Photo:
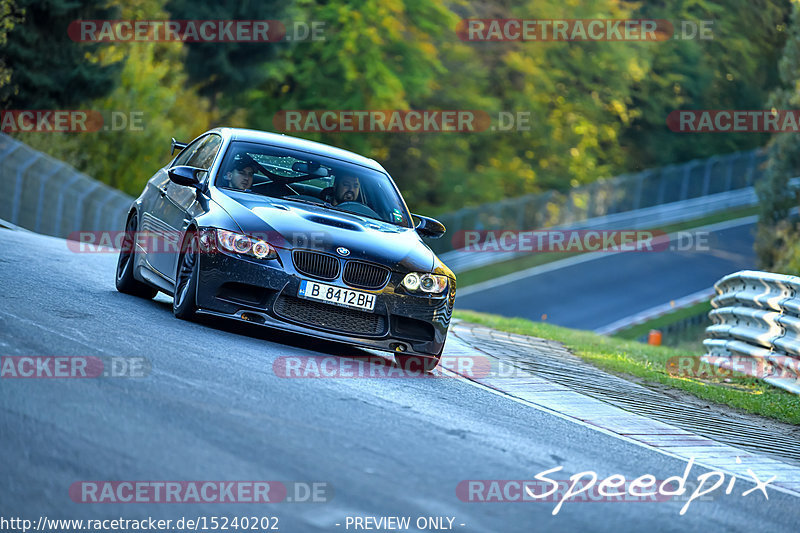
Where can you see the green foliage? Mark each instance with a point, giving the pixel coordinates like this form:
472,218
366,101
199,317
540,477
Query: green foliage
785,251
151,86
777,242
596,109
223,72
376,55
10,15
51,71
735,69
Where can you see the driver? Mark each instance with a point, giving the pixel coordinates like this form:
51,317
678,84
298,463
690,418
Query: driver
345,189
241,175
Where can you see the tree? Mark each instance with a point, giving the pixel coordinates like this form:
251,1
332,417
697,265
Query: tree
151,91
736,68
375,56
223,72
777,241
10,15
49,70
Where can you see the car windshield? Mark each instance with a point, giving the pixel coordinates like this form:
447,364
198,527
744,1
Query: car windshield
313,179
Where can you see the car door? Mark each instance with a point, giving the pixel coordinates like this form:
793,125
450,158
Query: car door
182,204
158,213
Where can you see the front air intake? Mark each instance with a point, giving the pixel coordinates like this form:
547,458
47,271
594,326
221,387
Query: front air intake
316,265
365,275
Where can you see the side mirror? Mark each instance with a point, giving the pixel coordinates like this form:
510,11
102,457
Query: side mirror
179,145
186,176
429,227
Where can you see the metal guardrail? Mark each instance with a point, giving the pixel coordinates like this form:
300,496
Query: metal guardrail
45,195
48,196
645,218
655,312
756,327
699,178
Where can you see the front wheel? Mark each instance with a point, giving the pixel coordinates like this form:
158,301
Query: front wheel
184,303
125,281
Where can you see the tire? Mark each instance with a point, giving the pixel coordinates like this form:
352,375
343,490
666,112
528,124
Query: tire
184,303
125,281
417,363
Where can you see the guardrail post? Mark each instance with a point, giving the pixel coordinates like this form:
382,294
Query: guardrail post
707,175
662,185
18,185
751,174
729,174
687,172
40,200
522,204
79,206
60,206
637,199
99,209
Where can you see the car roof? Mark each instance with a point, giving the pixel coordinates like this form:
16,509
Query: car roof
287,141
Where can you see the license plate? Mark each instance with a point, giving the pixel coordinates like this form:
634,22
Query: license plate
336,295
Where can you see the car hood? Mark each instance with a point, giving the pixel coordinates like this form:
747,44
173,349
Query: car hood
293,225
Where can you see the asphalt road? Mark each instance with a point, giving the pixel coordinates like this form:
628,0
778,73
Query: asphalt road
592,294
212,409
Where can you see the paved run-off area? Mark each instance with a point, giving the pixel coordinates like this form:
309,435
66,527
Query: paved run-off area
212,407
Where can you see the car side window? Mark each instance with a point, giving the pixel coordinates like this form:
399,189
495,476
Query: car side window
203,156
188,152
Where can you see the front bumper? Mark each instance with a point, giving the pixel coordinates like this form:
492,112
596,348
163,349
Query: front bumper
265,292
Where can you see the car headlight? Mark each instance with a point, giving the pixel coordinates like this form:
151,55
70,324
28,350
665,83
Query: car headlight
428,283
242,244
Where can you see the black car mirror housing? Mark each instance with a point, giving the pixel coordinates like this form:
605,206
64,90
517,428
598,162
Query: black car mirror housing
185,175
429,227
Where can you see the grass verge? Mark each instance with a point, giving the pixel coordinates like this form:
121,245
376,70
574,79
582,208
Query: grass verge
477,275
630,358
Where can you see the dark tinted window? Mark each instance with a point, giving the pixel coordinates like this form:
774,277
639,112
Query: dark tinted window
311,178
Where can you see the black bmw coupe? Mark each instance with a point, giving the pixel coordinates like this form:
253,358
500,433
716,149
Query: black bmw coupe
291,234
